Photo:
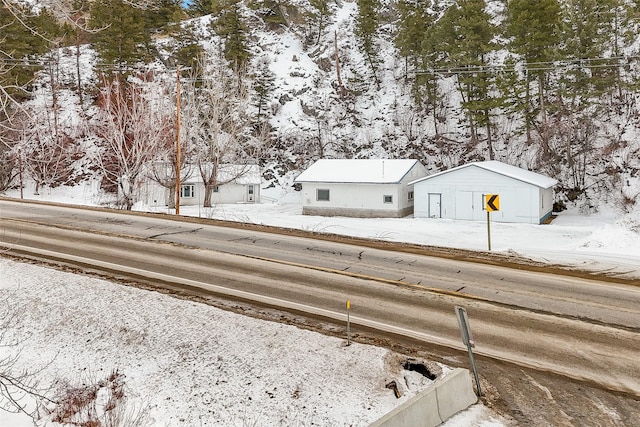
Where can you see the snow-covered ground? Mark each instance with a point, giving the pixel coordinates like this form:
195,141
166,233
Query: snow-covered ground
190,364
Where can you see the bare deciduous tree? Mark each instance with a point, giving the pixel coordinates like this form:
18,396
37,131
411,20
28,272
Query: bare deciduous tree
133,131
48,144
215,120
20,389
8,158
92,402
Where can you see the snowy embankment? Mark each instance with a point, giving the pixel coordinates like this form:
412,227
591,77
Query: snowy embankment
189,364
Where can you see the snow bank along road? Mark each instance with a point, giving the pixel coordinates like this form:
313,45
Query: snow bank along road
581,328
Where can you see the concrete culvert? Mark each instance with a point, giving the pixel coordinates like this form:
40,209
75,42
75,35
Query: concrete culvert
419,368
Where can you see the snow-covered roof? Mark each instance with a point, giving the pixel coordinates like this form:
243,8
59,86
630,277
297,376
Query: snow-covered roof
239,174
495,166
370,171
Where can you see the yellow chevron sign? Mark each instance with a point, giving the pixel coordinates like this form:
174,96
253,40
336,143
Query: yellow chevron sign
492,202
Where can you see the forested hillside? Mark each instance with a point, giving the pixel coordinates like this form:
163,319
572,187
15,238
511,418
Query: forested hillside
89,89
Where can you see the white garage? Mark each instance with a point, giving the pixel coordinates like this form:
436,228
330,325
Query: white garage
458,193
362,188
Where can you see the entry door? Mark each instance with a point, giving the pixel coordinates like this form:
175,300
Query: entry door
435,210
250,194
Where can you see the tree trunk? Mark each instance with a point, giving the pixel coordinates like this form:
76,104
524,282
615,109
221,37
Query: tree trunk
489,136
543,114
79,88
208,191
172,196
433,100
527,116
335,44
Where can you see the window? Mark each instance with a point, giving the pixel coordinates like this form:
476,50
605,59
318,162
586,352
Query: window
410,196
322,195
187,191
216,189
388,198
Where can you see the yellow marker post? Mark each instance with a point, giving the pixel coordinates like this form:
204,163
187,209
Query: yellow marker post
489,229
491,204
348,323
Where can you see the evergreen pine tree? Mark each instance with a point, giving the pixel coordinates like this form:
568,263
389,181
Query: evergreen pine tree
414,20
588,33
188,51
465,36
417,30
623,36
534,29
121,36
202,7
366,29
320,16
230,27
263,85
163,15
20,44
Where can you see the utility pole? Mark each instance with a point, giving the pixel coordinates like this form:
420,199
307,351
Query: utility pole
178,142
20,171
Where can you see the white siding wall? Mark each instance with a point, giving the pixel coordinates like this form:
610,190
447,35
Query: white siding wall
360,199
546,205
417,171
352,196
153,194
462,192
234,193
198,195
156,195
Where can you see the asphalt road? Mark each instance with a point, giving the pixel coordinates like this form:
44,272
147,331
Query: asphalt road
572,327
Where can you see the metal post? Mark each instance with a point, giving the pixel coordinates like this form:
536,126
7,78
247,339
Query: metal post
348,323
467,340
489,229
20,170
474,369
178,141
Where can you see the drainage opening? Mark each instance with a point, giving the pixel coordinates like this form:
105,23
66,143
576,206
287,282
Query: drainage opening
419,368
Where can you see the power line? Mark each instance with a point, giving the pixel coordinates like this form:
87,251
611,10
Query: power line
561,65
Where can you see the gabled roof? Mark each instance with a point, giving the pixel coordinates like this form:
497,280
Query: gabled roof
500,168
238,174
369,171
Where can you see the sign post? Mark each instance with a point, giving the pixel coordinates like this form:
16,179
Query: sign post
467,339
492,203
348,323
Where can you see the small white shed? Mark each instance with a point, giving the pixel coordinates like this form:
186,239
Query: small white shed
242,185
458,193
363,188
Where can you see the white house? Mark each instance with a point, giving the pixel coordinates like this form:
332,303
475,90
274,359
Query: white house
242,185
458,193
364,188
